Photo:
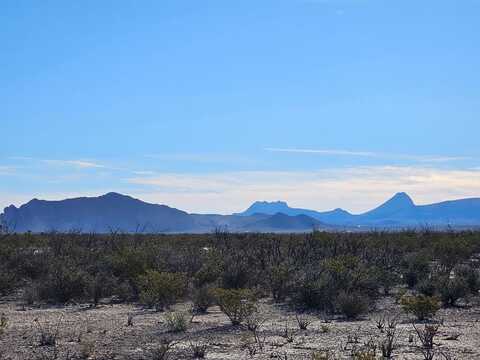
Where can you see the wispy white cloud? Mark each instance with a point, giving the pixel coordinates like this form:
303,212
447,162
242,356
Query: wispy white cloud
81,164
76,163
356,189
340,152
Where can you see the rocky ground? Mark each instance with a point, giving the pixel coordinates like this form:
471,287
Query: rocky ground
80,331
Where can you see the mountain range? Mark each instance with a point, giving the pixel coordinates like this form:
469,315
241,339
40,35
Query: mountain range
117,212
399,211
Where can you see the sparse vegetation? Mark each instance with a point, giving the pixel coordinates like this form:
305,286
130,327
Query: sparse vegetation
338,276
48,333
427,336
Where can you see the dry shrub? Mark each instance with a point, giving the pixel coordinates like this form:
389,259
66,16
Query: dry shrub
161,289
237,304
423,307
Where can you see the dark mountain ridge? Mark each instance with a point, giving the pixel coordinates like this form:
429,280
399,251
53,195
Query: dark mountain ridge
117,212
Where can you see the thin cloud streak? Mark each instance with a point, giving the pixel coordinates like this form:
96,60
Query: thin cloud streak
75,163
336,152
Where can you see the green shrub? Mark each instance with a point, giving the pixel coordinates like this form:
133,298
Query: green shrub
338,275
387,279
427,287
3,324
161,289
352,305
202,299
470,276
237,304
423,307
278,279
64,282
176,322
451,290
209,272
129,263
125,291
30,294
236,272
415,269
99,286
8,281
451,250
314,294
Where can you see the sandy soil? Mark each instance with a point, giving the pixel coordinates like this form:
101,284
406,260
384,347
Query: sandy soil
102,333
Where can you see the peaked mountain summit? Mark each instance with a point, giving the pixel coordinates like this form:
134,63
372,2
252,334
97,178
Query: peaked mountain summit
400,206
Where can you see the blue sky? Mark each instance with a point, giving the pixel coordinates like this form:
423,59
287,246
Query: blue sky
209,105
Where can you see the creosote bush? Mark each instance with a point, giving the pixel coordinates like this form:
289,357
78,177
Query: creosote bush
331,286
161,289
451,290
64,282
352,305
423,307
202,299
8,281
470,276
237,304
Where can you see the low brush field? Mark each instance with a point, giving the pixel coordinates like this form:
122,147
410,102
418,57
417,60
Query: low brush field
378,295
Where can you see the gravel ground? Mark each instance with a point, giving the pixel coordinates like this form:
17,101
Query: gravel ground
102,333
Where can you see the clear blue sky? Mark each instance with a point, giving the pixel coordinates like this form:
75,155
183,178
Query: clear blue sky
209,105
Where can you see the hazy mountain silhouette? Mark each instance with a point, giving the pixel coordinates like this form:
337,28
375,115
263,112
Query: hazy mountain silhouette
109,212
337,216
116,212
399,211
283,222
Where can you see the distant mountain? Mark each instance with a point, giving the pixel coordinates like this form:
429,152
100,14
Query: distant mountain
283,222
399,211
457,212
110,212
116,212
337,216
